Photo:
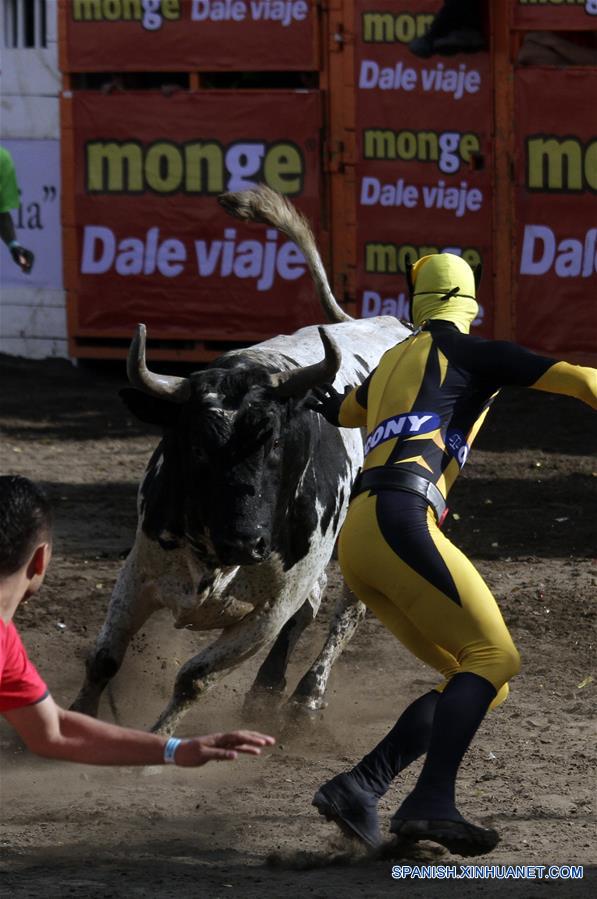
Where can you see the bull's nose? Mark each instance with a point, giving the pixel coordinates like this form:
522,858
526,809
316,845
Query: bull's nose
261,548
243,551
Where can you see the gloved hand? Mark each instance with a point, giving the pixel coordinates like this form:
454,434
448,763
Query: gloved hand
23,258
326,400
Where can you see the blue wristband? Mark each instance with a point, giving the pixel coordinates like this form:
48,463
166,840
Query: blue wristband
170,750
14,244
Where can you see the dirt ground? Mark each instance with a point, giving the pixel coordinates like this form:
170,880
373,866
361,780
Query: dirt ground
524,510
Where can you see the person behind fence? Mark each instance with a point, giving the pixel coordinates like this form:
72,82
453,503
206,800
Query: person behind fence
25,701
422,408
10,199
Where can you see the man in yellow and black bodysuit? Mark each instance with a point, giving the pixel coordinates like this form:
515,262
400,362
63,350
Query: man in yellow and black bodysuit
422,408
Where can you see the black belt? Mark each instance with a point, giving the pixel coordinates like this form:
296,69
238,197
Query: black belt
385,478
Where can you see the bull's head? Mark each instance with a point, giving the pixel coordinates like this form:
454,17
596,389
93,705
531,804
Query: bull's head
237,442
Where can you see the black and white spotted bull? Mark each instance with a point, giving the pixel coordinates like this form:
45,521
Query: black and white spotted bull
243,499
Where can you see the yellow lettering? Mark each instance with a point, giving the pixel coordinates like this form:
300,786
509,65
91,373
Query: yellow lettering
116,10
591,165
469,143
386,28
283,169
427,146
390,259
554,163
171,9
423,146
473,257
381,257
204,164
163,168
114,168
112,11
379,144
87,10
131,10
198,167
406,145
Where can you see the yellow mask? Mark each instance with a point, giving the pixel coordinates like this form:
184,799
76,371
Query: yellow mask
434,278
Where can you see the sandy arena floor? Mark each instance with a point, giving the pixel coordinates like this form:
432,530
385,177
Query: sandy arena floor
525,511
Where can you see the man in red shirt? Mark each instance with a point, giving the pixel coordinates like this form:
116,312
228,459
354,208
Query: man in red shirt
25,701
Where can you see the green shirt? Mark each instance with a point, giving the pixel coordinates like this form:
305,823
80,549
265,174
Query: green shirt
9,189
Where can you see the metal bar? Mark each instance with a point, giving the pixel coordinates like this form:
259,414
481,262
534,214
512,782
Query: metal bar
504,247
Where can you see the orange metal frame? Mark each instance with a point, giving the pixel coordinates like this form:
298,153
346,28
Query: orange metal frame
504,230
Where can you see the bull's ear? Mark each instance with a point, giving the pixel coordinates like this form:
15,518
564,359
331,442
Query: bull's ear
150,409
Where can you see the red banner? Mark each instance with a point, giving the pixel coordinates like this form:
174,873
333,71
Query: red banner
556,15
189,35
424,156
556,184
153,243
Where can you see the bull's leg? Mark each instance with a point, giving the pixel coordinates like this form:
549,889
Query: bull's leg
130,607
271,677
347,616
235,645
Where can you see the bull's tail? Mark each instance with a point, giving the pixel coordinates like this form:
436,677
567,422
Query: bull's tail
271,208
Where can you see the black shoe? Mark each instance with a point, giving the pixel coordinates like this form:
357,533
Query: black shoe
353,809
421,46
458,837
465,40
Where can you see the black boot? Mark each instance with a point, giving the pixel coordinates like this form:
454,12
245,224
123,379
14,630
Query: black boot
430,812
350,799
353,809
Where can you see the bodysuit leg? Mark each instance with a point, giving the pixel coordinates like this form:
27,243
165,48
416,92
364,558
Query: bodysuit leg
433,599
424,589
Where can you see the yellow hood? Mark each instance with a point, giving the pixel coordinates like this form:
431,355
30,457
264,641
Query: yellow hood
433,279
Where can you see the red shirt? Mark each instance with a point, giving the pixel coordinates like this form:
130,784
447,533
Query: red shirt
20,684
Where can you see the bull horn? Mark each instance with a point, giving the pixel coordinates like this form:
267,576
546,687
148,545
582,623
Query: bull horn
166,387
300,380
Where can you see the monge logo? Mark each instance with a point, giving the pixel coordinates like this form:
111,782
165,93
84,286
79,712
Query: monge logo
402,426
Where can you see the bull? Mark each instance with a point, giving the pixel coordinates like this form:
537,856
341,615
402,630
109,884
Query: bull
242,501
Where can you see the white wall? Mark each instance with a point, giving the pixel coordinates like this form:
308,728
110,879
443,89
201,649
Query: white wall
32,307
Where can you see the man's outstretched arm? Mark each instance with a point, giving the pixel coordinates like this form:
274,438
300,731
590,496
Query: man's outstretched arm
571,380
53,732
503,363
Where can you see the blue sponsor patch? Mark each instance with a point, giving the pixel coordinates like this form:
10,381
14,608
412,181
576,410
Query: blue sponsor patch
404,425
457,446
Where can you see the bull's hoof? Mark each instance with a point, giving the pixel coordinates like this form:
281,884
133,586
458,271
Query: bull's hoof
307,704
310,690
304,714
